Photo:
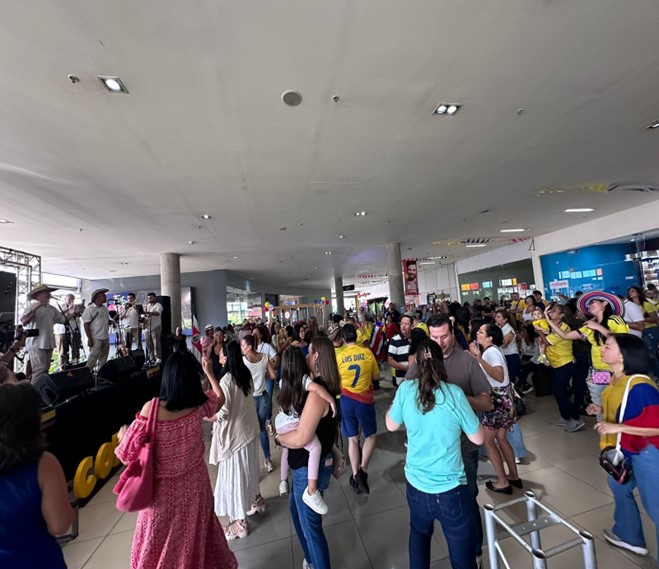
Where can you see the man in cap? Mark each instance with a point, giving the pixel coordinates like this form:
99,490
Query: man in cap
41,316
97,327
207,340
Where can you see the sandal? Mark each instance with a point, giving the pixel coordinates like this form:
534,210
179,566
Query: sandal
236,530
257,507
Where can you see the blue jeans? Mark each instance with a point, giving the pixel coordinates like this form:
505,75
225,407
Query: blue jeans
262,403
470,461
560,381
453,510
626,516
651,339
270,388
513,362
517,441
308,524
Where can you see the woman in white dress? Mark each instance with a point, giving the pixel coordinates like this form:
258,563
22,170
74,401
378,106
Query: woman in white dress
235,445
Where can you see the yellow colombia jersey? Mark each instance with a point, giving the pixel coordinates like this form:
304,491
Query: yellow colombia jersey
616,325
559,352
357,369
649,308
542,324
423,326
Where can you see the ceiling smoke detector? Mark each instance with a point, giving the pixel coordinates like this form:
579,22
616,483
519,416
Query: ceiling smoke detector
291,98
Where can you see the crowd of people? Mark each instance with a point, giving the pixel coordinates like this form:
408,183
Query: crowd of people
458,373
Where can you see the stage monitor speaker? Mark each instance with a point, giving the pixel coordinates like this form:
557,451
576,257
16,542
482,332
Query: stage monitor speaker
166,316
64,384
117,370
138,357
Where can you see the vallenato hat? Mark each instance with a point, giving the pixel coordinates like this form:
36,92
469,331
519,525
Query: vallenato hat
39,288
613,300
98,291
209,327
333,331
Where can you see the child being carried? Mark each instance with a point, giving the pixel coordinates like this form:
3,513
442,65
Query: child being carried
287,422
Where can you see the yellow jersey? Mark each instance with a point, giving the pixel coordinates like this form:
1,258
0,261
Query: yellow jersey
559,351
357,369
543,325
423,326
617,326
649,308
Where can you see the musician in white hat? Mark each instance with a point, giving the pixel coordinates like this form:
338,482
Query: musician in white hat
97,327
41,316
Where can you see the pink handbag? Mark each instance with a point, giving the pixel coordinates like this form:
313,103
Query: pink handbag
134,489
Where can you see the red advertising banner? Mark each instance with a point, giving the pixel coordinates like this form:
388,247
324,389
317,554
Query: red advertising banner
410,277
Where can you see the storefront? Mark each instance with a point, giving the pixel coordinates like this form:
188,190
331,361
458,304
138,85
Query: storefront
497,282
243,304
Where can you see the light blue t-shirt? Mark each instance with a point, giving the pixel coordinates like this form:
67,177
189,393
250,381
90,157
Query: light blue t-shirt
434,462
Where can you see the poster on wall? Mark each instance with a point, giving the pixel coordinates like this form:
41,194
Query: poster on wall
410,277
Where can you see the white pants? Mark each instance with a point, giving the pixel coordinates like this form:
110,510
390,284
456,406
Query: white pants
98,353
40,361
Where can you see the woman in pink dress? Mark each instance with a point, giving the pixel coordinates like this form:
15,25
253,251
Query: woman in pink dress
179,530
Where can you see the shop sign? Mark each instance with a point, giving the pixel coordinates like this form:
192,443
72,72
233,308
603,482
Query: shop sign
558,285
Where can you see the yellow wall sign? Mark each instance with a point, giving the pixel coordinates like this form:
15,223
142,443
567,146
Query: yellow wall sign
92,469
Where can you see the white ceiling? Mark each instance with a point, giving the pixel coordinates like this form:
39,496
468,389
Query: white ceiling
91,180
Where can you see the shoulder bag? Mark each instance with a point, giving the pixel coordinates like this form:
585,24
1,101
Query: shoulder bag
134,489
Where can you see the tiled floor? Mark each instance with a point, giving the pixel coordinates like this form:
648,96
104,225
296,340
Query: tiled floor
371,531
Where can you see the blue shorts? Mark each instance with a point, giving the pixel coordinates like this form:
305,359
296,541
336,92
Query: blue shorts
355,414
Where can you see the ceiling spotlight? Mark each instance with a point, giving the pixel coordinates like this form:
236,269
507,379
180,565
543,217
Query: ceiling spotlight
205,216
112,84
518,230
579,210
191,242
4,221
360,213
473,245
328,252
235,257
341,236
291,98
447,109
654,125
427,263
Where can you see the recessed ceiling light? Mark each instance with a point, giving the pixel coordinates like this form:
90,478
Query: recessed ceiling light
4,221
655,124
427,263
518,230
316,268
205,216
191,242
291,98
360,213
328,252
447,109
235,257
476,245
437,257
124,263
579,210
282,229
341,236
112,84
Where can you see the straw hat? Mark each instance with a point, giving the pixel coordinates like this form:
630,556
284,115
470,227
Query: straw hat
39,288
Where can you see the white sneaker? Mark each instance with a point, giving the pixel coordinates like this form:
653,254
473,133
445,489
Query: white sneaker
283,488
268,465
315,501
613,539
306,565
572,426
560,422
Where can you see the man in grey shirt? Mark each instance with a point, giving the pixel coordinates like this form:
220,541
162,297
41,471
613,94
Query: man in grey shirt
463,371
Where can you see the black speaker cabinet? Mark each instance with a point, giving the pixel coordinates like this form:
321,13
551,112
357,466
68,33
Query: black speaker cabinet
166,316
117,370
138,357
64,384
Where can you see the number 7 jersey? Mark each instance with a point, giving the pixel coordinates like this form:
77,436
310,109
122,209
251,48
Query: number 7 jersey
357,369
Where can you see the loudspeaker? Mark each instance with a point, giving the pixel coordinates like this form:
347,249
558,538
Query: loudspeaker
117,370
166,316
138,357
64,384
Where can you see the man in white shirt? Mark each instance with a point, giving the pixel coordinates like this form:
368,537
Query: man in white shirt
41,316
153,310
97,327
634,317
130,320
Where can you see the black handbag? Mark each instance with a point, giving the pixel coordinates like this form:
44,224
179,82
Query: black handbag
520,406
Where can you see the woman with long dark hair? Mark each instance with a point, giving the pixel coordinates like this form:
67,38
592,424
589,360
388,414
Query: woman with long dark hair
35,503
506,322
315,420
637,425
604,310
235,446
435,414
262,340
650,332
179,529
486,351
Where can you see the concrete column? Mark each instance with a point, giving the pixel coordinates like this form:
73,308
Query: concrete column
395,276
338,287
537,275
170,284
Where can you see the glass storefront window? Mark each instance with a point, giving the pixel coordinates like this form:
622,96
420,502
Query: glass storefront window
242,304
